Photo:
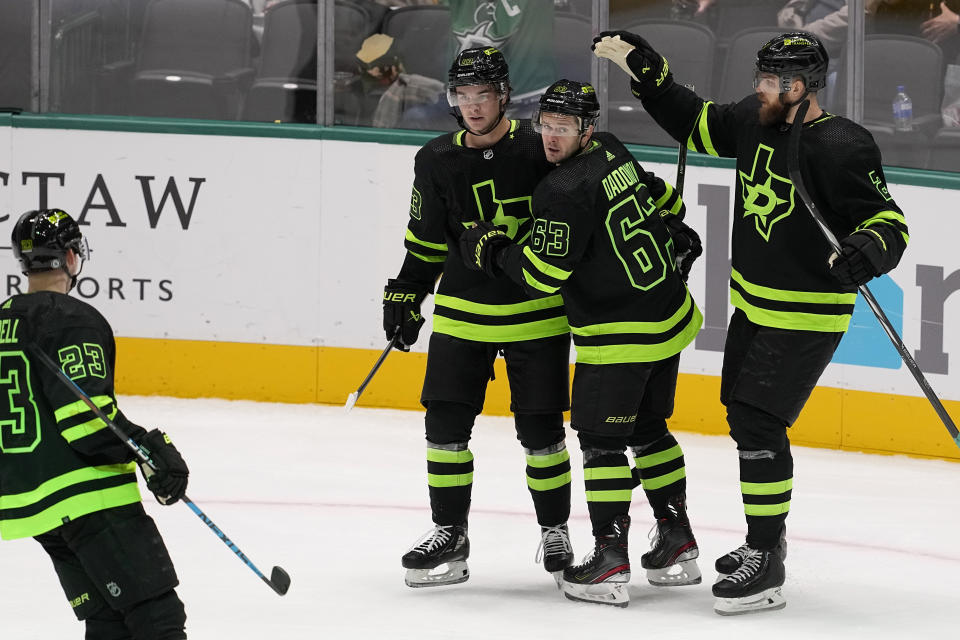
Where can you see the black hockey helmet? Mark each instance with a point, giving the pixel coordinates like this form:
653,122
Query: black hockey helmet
41,238
571,98
484,65
795,54
478,66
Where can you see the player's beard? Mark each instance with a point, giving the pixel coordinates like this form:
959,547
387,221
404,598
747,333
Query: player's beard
772,113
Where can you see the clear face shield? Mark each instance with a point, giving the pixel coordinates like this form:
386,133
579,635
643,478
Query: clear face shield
467,95
559,125
767,82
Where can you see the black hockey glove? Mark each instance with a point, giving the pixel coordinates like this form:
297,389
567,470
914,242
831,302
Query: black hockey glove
648,70
686,243
401,311
860,259
480,244
168,481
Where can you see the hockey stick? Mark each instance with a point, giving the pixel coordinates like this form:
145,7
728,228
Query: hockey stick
279,580
682,160
793,168
353,397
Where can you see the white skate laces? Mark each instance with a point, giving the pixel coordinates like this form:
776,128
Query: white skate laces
553,541
749,567
433,540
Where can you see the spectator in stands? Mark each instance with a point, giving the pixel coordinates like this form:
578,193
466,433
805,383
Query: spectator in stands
943,27
381,66
826,19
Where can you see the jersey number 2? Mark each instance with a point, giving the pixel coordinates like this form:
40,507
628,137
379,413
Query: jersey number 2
19,417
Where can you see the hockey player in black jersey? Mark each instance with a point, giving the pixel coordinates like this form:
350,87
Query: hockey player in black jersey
602,239
65,478
485,171
793,296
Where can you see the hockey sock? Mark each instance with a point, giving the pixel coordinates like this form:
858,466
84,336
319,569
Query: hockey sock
450,478
609,485
766,482
548,477
662,472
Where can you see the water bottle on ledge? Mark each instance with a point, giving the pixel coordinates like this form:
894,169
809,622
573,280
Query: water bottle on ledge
902,111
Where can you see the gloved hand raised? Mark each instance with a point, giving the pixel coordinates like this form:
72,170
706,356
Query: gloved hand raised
168,481
859,260
401,311
686,244
648,70
480,244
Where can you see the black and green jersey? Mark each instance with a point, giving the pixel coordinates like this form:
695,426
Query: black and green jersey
780,275
454,186
598,239
58,461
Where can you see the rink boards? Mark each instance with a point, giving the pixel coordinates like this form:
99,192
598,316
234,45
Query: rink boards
238,264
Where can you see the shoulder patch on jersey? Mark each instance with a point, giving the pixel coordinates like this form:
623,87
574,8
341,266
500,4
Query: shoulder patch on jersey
879,184
610,156
415,202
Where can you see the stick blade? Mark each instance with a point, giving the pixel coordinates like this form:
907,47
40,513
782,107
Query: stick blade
279,581
351,400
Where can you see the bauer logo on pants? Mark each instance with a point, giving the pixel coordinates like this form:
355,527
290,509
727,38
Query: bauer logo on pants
114,589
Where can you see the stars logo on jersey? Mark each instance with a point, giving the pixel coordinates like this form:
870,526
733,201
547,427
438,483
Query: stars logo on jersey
766,195
511,213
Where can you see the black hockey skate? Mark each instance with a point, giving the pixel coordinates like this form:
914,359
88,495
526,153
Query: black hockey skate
671,561
555,550
755,586
730,562
603,575
447,548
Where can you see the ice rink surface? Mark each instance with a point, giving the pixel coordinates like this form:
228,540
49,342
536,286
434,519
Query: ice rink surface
336,499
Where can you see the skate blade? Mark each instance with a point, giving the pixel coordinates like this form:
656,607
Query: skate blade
680,574
608,593
558,578
454,573
771,599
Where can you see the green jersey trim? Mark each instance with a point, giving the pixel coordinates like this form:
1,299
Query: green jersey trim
51,486
786,295
660,326
498,309
791,319
428,245
624,353
544,267
87,428
427,258
501,333
886,217
536,284
78,407
70,509
702,128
